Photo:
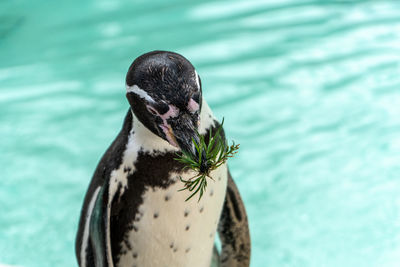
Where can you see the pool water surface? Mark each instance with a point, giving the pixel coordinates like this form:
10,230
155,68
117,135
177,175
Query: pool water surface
310,90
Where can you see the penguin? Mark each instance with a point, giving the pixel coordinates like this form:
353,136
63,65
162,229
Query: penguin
133,212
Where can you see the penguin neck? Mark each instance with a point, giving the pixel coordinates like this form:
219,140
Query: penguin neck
146,139
151,142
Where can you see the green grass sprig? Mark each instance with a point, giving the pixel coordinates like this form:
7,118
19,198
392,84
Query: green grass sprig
217,153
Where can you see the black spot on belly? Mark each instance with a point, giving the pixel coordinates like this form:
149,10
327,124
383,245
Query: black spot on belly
173,247
187,227
187,250
155,216
186,213
134,255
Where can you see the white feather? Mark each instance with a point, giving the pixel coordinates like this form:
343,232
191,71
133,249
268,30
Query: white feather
140,92
197,80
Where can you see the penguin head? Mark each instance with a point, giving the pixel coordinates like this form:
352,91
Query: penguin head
164,92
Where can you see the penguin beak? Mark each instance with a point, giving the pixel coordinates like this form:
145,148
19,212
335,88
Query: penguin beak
186,141
183,134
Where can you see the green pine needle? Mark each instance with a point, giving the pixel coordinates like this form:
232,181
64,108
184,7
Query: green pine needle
217,153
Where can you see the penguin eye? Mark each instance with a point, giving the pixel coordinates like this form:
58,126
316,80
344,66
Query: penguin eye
162,108
151,110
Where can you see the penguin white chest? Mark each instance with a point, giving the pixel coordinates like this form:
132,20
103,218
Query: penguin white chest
169,231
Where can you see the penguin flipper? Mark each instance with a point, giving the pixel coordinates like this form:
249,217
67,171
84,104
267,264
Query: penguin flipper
99,229
233,229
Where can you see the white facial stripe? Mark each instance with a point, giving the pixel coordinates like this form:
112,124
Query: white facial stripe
192,106
197,79
140,92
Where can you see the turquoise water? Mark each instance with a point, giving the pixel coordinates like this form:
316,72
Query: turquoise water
310,89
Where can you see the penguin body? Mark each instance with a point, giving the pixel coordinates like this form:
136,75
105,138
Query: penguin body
134,213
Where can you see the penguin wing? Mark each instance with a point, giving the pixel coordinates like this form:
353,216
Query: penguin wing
93,239
99,229
233,229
